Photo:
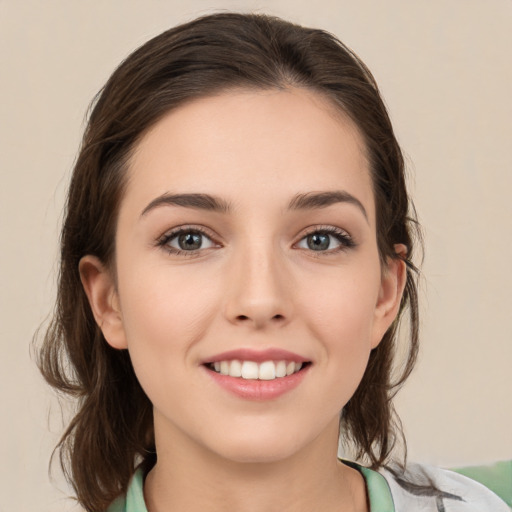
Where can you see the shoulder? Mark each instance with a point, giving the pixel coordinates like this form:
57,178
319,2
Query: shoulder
426,488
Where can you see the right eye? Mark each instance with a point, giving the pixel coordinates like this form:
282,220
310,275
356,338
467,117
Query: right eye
186,240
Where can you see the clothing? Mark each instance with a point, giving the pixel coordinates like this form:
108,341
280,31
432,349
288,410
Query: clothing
497,477
420,489
449,492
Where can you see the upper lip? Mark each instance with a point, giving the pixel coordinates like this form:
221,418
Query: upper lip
258,356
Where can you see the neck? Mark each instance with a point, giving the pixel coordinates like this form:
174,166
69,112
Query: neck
189,477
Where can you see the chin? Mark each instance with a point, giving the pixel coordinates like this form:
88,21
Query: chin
260,447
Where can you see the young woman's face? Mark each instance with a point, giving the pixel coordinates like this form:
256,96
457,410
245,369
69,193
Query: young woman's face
245,246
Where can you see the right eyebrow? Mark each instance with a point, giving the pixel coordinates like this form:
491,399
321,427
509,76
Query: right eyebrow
200,201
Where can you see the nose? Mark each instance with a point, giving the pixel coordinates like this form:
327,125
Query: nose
259,289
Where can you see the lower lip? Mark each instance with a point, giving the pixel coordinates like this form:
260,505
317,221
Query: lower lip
259,389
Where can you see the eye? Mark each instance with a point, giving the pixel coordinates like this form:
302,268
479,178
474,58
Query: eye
326,240
186,240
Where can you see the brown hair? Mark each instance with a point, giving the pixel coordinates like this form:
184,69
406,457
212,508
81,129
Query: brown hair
113,428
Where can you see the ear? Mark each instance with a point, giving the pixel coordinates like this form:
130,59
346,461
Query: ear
394,277
101,291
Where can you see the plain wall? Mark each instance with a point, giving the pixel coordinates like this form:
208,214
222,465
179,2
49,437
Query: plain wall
445,71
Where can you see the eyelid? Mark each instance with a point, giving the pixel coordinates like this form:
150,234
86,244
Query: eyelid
326,228
344,238
162,241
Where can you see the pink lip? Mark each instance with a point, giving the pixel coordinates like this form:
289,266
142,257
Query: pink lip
258,356
258,390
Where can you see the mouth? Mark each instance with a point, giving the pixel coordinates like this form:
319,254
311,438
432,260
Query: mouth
253,370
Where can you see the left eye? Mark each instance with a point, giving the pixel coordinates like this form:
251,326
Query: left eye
324,241
189,240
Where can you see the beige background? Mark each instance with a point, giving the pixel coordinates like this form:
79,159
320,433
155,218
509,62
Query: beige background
445,70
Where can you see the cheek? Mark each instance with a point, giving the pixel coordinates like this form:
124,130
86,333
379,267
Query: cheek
341,314
164,316
164,312
342,305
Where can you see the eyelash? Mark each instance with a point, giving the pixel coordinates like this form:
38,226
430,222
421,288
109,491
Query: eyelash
164,240
345,240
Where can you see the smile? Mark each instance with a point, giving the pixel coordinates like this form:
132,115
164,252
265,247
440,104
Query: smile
252,370
257,374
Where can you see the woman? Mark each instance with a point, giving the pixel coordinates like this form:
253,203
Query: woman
236,256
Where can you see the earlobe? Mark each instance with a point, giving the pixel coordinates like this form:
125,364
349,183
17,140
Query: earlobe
394,277
100,289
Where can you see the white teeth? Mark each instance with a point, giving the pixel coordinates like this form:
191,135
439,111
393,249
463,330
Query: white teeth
281,369
224,367
250,370
235,368
268,370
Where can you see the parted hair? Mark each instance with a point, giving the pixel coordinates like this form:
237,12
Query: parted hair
112,429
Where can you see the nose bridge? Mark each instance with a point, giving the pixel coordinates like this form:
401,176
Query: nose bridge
258,292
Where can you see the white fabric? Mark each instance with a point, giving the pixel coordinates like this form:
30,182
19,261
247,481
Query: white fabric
456,493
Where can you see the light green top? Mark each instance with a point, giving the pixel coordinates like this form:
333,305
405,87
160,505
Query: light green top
378,493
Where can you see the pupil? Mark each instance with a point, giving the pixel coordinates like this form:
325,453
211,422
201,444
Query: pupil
190,241
318,242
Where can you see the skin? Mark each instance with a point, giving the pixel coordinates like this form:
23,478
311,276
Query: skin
255,283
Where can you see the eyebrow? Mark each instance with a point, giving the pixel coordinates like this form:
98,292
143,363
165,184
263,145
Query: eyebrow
313,200
306,201
198,201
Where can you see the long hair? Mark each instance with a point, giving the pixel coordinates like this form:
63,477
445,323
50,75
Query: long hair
112,430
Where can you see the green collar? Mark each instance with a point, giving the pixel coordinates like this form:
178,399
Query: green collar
379,494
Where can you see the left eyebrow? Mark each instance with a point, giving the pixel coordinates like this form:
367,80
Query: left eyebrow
198,201
313,200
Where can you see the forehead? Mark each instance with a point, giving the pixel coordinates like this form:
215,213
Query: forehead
245,143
